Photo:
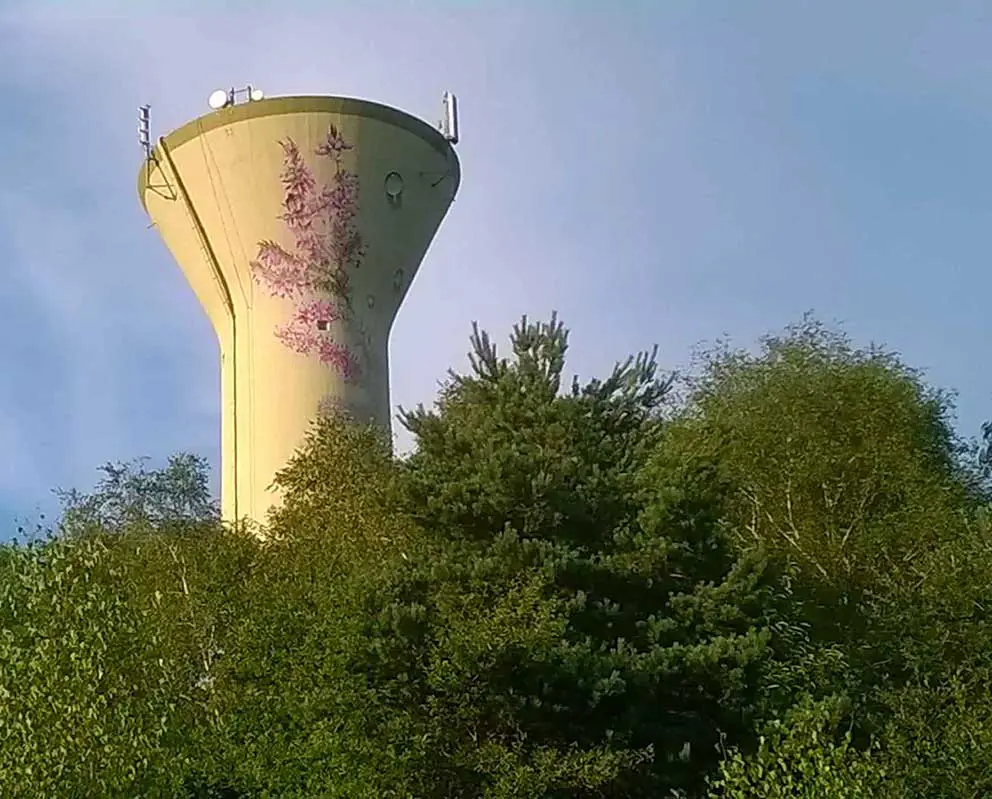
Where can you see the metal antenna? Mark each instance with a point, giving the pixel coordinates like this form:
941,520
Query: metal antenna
449,122
145,139
144,130
223,99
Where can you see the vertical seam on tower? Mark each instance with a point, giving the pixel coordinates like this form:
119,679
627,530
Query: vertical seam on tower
212,258
210,164
210,160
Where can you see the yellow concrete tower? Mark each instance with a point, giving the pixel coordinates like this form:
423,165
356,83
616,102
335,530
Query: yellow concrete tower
299,223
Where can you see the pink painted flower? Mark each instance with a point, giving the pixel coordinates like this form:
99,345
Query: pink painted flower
285,274
296,338
319,313
327,244
297,180
337,355
333,145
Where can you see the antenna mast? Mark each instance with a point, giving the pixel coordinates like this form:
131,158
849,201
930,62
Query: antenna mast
144,130
449,121
145,140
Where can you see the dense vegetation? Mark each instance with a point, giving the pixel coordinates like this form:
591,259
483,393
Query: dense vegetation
767,578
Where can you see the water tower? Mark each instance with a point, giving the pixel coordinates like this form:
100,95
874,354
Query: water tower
299,222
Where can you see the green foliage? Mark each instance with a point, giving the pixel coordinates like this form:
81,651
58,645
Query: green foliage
841,462
128,496
841,458
844,462
295,716
61,701
504,447
936,743
101,641
521,608
773,587
938,739
801,758
652,635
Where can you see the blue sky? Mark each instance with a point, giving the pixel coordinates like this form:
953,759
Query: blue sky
658,172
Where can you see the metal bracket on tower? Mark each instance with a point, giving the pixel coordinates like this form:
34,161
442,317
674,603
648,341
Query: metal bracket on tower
144,138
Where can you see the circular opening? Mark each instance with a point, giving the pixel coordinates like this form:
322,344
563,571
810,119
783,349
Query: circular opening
394,185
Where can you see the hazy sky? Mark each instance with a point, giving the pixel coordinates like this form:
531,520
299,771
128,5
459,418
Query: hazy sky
658,172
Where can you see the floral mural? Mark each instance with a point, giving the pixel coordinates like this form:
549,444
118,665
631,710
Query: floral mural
314,273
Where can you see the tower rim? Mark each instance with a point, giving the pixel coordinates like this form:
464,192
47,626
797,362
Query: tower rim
302,104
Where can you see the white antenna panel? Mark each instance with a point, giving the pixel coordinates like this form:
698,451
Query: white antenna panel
449,124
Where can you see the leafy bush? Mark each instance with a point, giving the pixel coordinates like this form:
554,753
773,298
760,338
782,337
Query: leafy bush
801,758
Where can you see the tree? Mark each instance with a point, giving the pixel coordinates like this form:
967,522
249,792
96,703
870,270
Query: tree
983,451
662,631
519,608
842,458
585,591
106,641
505,447
128,496
110,631
843,461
